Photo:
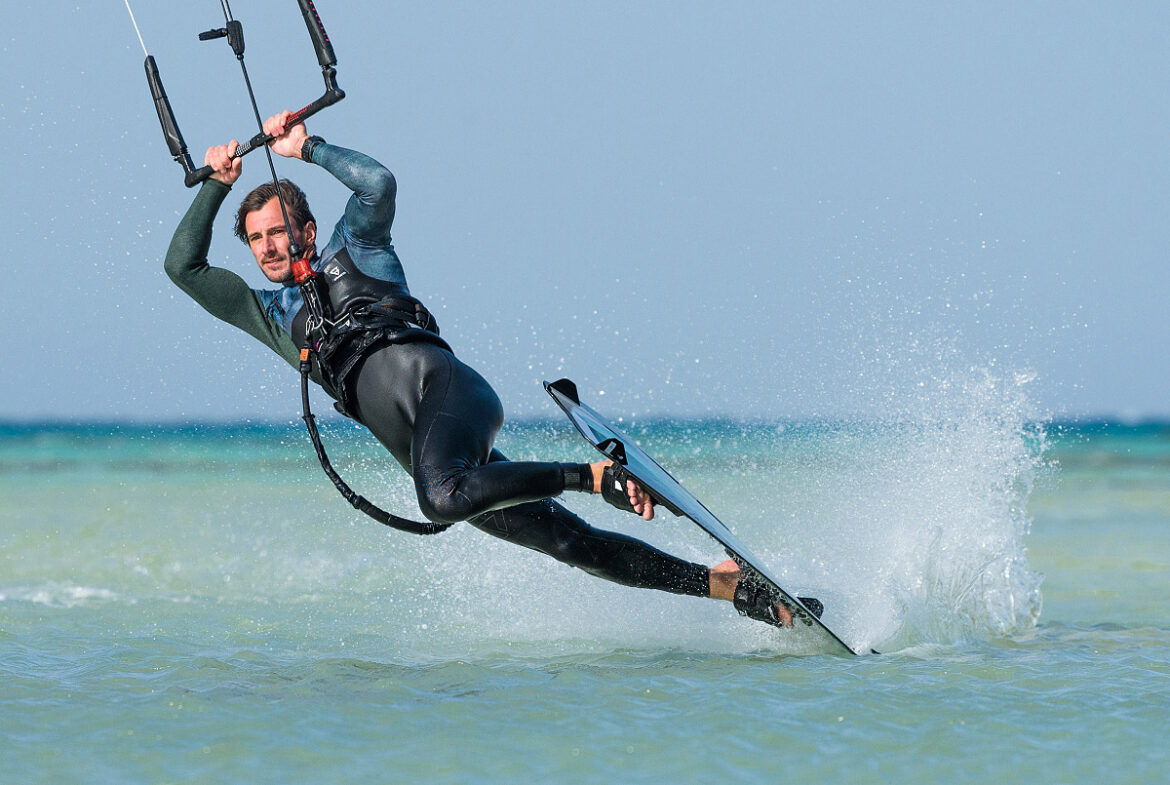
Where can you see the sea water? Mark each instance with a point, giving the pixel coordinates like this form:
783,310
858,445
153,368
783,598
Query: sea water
195,603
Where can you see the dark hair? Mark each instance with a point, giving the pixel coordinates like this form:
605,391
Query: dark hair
294,201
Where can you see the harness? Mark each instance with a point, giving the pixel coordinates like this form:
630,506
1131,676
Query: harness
358,315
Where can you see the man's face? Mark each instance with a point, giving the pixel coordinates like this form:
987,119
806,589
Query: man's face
269,241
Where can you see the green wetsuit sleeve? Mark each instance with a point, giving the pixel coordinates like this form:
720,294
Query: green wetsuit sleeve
221,292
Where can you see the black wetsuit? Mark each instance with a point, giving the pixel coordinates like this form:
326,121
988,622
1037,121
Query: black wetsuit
435,414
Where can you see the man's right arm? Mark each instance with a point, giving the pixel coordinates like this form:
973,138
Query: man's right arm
221,292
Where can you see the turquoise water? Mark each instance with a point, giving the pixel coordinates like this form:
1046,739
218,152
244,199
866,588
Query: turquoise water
195,604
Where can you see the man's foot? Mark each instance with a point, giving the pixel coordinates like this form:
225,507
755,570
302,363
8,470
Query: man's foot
619,488
755,599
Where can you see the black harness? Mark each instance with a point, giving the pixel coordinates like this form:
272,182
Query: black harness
361,314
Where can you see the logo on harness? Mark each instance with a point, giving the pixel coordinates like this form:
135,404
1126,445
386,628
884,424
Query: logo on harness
334,271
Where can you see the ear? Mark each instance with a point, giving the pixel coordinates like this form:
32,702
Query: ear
310,234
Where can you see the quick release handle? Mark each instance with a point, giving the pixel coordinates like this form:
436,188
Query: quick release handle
317,32
234,32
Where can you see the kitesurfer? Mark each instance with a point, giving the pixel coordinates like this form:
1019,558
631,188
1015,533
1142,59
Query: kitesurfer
383,360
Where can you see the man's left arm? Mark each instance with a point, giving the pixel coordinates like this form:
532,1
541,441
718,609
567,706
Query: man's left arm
369,213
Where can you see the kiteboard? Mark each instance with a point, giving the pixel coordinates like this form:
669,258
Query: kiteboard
670,494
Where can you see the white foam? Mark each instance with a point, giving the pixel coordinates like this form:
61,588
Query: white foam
57,595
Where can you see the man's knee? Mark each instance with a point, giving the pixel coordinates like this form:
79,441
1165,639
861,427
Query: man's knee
440,500
444,508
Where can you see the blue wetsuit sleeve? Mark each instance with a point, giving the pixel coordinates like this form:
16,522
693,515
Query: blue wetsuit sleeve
369,213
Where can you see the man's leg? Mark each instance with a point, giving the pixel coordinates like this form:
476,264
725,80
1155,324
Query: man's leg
550,528
438,417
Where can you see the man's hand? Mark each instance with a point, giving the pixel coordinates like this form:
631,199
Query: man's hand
286,140
227,169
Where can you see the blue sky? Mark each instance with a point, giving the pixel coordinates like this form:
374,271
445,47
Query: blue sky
750,209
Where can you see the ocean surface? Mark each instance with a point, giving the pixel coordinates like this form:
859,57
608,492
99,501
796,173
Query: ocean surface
195,604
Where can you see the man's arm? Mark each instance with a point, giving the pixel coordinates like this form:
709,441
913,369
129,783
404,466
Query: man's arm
369,213
221,292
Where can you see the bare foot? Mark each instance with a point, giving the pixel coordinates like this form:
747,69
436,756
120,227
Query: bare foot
724,578
640,500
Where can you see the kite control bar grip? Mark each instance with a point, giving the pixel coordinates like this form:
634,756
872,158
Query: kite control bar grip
331,96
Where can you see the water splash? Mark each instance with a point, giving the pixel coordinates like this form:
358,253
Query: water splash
917,519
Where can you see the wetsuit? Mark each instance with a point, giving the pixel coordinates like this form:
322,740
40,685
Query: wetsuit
435,414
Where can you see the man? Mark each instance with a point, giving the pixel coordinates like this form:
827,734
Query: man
388,368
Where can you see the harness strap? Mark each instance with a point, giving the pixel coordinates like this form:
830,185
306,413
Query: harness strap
355,500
